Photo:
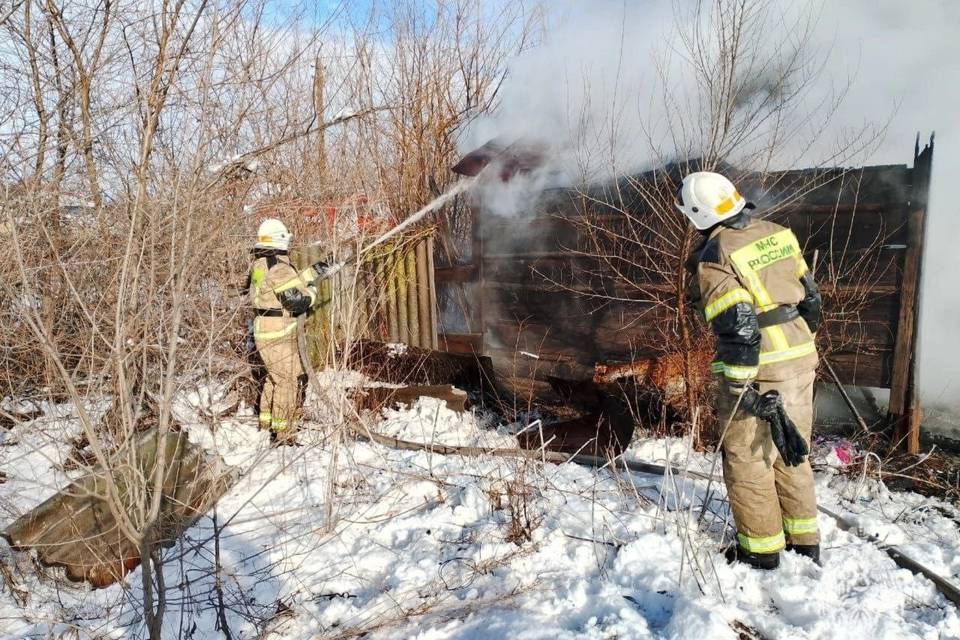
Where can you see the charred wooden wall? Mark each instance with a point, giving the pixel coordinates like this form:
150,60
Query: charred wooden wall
527,288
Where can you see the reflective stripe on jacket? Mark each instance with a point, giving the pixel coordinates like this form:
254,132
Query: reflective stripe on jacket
742,273
270,278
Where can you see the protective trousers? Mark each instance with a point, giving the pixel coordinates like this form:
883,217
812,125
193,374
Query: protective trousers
279,405
772,503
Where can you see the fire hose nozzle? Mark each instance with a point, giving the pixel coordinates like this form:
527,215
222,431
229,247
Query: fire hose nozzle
331,270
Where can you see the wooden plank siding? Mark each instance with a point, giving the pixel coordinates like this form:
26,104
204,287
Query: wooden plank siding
393,290
398,284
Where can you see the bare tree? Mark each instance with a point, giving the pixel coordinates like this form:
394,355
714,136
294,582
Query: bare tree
149,138
745,110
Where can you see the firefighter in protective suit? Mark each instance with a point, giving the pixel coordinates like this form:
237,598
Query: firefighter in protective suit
278,294
761,301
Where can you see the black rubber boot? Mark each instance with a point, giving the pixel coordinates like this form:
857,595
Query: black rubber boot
811,551
764,561
283,439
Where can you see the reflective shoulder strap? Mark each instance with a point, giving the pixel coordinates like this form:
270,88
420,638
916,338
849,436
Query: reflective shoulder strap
723,302
258,275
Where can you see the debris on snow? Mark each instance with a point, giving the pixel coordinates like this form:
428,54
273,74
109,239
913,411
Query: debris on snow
420,545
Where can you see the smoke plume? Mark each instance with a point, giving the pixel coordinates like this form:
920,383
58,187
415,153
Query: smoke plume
612,90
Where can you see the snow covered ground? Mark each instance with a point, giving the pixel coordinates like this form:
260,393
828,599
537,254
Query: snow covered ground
418,545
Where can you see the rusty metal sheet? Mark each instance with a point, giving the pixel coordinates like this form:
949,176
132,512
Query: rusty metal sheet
509,159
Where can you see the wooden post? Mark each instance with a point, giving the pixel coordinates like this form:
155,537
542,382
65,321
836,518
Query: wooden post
368,287
413,311
423,295
400,290
904,406
432,283
389,281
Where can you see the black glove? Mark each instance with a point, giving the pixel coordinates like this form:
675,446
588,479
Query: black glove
294,301
811,306
320,268
794,448
784,433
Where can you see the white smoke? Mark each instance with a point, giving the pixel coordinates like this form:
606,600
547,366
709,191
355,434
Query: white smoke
906,61
582,84
611,88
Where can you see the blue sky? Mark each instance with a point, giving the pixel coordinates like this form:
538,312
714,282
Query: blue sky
318,11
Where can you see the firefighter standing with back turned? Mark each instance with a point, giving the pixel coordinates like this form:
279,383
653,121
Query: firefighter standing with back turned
278,294
762,303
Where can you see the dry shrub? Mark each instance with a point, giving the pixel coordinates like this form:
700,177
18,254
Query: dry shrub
131,167
515,494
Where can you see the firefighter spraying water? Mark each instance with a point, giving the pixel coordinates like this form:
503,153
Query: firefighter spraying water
281,298
437,202
418,216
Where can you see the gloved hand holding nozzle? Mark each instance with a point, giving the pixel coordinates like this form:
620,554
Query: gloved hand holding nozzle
325,269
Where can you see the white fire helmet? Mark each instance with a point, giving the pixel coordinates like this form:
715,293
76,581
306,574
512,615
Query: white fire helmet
273,234
709,198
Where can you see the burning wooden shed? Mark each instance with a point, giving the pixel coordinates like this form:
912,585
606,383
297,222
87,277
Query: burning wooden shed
534,293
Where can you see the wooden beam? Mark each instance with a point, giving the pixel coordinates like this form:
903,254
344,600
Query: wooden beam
400,277
390,280
457,273
432,282
903,353
904,410
375,398
461,342
412,299
865,370
423,296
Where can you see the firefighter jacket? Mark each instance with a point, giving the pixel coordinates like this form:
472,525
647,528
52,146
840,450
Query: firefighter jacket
755,290
278,294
